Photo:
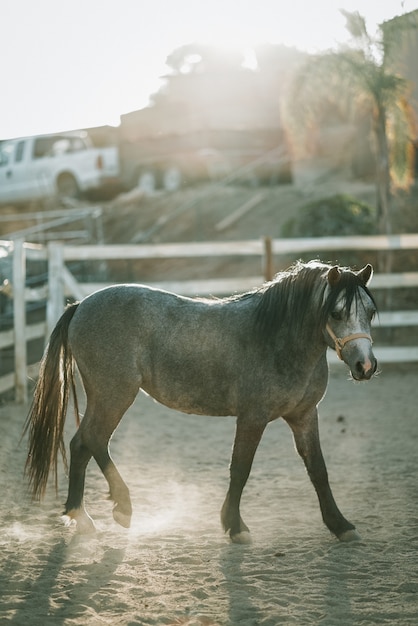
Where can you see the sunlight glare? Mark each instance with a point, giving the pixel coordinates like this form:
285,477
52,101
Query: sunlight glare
166,511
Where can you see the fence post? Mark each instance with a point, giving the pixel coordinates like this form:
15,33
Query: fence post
268,269
19,321
55,303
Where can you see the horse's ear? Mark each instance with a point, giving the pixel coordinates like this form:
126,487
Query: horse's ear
365,274
334,275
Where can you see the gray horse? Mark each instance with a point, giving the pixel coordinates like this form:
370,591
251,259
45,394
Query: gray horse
257,356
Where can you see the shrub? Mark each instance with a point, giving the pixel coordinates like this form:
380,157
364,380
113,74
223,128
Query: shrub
335,216
338,215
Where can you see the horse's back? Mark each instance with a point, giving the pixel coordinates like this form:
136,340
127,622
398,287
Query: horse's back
121,313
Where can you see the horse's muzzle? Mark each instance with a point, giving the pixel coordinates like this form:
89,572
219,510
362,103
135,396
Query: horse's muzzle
364,369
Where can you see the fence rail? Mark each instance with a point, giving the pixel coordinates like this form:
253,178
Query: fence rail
62,283
44,221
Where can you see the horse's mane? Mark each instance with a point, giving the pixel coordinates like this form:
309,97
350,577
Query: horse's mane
297,297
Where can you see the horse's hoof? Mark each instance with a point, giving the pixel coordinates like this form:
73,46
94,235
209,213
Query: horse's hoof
121,518
84,523
244,537
350,535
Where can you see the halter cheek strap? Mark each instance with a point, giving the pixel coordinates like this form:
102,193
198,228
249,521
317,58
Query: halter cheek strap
339,342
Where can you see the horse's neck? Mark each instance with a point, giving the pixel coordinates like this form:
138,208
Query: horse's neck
305,343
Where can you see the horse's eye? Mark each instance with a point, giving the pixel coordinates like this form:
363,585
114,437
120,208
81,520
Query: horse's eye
336,315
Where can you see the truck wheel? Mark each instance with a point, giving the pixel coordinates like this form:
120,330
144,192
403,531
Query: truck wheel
147,182
171,179
67,186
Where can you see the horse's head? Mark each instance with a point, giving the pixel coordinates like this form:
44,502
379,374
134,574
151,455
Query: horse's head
351,309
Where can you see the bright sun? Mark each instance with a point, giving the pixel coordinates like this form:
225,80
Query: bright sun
307,29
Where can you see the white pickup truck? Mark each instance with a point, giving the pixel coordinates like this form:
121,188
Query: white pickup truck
62,165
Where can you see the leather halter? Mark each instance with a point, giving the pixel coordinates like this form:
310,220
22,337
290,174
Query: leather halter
339,342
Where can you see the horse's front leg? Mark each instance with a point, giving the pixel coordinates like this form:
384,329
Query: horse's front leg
306,436
247,438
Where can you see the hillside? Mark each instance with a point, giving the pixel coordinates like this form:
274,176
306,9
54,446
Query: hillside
192,214
202,214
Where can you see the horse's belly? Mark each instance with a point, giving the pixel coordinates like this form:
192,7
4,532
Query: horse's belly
192,402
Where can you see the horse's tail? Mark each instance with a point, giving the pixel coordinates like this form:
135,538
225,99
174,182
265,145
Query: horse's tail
46,418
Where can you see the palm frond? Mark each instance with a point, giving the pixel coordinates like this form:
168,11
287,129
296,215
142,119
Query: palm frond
355,24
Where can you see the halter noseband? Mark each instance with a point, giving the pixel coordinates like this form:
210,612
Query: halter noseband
339,342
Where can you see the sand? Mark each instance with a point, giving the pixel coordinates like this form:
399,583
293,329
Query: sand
175,566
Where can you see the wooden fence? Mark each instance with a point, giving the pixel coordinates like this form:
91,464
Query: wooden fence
62,283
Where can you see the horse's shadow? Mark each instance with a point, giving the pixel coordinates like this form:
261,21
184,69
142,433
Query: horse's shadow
240,591
45,601
331,593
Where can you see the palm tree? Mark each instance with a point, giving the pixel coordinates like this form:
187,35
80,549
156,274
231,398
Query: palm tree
359,80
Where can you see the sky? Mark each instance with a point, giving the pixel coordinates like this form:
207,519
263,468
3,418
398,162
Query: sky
82,63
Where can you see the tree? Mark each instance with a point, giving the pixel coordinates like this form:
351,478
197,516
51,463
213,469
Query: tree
359,80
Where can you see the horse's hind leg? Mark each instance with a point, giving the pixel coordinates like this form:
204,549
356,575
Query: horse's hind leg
247,438
306,436
92,439
118,490
80,456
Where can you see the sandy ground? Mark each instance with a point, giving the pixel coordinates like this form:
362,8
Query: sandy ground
174,566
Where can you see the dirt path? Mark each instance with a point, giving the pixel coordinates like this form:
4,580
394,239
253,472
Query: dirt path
174,566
